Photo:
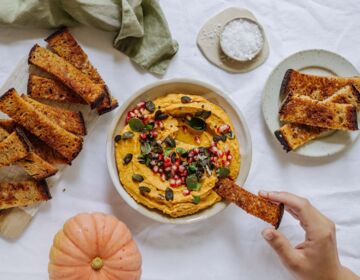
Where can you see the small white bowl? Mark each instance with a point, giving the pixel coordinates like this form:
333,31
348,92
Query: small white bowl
188,86
238,58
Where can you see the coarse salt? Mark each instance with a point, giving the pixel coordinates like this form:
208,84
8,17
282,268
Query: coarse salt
241,39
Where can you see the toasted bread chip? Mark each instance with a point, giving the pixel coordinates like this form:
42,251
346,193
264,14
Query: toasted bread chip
65,45
255,205
12,149
36,167
37,146
68,120
304,110
24,114
49,89
68,74
316,87
23,193
292,135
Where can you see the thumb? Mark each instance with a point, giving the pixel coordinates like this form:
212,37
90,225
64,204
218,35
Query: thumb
281,246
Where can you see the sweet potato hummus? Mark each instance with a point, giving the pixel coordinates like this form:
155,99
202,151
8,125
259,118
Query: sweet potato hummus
173,150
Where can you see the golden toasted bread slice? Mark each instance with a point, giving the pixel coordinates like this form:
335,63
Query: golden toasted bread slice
12,149
69,120
49,89
23,193
3,134
37,146
27,116
255,205
68,74
316,87
65,45
292,135
34,165
304,110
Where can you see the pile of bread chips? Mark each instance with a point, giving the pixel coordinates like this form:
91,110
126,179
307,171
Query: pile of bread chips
314,105
38,137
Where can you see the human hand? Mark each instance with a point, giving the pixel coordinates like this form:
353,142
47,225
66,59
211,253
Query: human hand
316,258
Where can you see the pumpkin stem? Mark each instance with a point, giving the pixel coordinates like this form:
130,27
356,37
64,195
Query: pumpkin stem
97,263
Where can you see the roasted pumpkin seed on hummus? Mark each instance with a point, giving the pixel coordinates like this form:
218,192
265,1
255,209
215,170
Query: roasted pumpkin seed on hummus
180,150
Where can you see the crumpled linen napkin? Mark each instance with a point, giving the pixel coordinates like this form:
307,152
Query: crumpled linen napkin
142,30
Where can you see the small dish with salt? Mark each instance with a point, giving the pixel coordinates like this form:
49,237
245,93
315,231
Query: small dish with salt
242,39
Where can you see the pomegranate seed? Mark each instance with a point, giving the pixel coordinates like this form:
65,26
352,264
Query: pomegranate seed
227,163
197,139
172,181
161,156
177,162
196,151
163,177
191,154
229,157
168,169
161,170
176,177
158,142
220,153
174,167
224,128
142,110
181,168
143,136
190,160
154,134
178,182
212,159
155,168
132,114
223,162
153,162
155,125
145,118
186,192
213,144
161,124
185,129
141,104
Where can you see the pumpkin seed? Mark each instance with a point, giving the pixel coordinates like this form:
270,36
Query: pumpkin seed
203,114
136,125
150,106
127,159
128,135
160,116
141,159
218,138
143,190
145,148
149,126
197,123
117,138
170,142
168,151
196,199
185,99
222,172
169,194
137,178
230,134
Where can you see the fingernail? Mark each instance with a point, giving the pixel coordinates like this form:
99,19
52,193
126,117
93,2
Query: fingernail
268,235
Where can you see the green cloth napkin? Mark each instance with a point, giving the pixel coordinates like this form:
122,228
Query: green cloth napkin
142,31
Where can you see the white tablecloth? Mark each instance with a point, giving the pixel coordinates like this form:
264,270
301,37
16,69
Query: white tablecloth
229,245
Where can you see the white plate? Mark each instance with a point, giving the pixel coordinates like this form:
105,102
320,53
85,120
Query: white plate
318,62
190,87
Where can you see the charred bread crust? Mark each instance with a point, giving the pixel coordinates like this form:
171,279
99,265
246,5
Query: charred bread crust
103,110
32,50
285,82
56,33
98,100
281,214
352,120
356,93
45,189
23,138
280,137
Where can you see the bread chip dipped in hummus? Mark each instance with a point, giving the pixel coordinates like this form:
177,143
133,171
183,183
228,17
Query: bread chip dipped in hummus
173,150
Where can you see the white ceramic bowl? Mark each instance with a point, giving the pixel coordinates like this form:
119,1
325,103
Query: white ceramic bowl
188,86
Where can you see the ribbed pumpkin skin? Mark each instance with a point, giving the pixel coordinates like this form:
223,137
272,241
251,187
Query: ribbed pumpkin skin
87,236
